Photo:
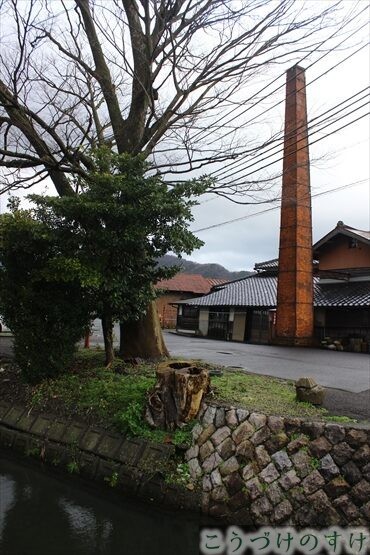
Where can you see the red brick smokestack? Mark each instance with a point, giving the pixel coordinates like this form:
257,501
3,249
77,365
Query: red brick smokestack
294,318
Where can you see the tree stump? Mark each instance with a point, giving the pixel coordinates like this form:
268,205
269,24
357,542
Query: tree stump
177,395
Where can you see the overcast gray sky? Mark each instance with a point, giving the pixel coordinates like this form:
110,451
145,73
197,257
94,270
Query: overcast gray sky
338,160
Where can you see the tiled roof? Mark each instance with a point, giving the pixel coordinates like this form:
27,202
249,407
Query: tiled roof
215,282
343,229
187,283
260,291
356,293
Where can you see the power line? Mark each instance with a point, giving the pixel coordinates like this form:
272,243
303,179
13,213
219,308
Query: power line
280,139
246,217
235,182
284,99
282,75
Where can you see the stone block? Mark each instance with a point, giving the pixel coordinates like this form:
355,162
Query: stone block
344,505
41,426
231,418
25,421
249,471
261,435
262,456
130,451
206,434
281,460
211,462
276,442
323,509
313,429
282,512
4,409
242,415
289,480
297,444
242,432
362,455
220,435
308,391
74,433
313,482
106,469
296,496
361,492
154,456
302,463
257,420
351,472
220,417
196,431
275,493
269,474
209,416
206,450
219,494
194,469
233,483
236,502
192,452
7,437
216,478
336,487
13,415
354,437
328,468
254,488
109,446
320,447
276,424
91,439
245,450
334,433
261,506
229,466
207,483
226,449
342,453
56,430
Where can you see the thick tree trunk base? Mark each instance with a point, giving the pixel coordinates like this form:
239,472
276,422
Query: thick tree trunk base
177,395
143,338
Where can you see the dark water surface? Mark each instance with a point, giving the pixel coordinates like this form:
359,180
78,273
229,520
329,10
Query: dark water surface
41,514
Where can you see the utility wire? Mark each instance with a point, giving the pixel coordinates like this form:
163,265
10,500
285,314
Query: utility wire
280,139
298,149
282,75
246,217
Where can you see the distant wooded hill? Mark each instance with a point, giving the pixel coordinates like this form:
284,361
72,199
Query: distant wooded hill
206,270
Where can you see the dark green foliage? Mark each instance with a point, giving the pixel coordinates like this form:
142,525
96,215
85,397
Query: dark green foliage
46,312
92,253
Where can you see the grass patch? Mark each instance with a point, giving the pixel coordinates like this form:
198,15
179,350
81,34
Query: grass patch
262,394
117,399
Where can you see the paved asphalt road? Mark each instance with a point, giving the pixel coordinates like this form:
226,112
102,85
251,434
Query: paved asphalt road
346,371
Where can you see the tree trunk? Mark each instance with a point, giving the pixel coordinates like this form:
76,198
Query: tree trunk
177,395
107,325
143,338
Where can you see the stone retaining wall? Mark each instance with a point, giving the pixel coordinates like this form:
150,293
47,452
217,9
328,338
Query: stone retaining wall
132,466
258,470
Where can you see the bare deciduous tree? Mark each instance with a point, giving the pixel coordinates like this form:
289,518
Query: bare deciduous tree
149,76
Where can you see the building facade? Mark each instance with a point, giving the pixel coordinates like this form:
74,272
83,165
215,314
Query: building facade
245,310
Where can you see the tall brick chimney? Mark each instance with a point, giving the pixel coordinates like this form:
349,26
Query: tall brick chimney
294,317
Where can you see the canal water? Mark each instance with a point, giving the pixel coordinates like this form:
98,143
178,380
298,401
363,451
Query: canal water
41,514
